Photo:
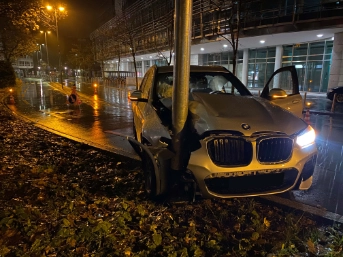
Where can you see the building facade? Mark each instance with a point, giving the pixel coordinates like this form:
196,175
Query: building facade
272,34
23,66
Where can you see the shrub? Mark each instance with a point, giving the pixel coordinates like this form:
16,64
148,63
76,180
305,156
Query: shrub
7,75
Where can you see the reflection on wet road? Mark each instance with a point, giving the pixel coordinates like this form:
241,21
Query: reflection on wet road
327,188
105,118
108,110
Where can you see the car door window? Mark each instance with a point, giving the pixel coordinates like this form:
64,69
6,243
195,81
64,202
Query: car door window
164,86
282,89
283,83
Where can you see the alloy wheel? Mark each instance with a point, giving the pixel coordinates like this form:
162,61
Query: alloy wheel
339,98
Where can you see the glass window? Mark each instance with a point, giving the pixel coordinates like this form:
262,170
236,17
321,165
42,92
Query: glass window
300,49
328,46
224,58
271,52
204,58
313,75
318,57
325,76
316,48
299,58
286,59
300,68
147,64
252,54
287,50
204,82
261,53
240,55
327,57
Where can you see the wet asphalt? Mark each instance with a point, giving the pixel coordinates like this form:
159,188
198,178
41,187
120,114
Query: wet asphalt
104,120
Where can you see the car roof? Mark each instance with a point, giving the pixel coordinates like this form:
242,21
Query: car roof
194,68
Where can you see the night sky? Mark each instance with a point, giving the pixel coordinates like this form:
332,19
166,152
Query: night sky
81,19
84,16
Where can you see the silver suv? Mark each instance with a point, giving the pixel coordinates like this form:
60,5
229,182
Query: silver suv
237,144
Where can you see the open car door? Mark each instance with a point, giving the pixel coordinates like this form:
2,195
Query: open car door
282,89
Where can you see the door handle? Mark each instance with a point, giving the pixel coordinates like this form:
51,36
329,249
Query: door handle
295,101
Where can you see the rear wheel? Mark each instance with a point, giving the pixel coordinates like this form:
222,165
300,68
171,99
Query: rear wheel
339,98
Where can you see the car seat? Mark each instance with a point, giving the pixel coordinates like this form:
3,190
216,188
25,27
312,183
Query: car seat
201,85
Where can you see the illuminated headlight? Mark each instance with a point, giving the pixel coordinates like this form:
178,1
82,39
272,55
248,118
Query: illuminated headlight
306,138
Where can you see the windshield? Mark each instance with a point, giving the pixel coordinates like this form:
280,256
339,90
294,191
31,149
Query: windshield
207,82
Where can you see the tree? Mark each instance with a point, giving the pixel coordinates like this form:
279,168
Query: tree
229,23
128,37
81,55
165,42
18,23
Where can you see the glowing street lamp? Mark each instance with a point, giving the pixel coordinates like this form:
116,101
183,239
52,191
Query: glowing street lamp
55,9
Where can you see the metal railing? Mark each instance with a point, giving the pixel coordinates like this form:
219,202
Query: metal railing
152,20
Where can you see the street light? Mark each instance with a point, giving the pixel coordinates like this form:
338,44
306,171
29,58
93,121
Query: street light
46,45
60,9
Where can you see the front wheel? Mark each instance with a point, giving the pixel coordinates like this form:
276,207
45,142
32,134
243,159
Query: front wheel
339,98
149,178
134,130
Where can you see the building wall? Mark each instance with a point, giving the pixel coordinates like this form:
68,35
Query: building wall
312,59
22,65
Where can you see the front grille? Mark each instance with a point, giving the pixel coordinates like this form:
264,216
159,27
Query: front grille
274,150
229,151
253,184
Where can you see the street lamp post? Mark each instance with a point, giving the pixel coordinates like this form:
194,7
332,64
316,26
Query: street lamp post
46,45
61,9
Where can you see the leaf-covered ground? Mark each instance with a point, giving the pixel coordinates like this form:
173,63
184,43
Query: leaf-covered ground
61,198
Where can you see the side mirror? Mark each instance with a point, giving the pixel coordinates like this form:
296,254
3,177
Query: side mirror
137,96
277,93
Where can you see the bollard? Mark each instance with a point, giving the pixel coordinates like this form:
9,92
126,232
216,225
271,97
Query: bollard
11,97
307,117
304,102
333,103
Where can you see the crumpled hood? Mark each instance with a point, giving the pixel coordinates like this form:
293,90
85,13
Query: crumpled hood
228,112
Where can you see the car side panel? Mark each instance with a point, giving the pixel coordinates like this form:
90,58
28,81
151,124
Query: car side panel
152,128
292,103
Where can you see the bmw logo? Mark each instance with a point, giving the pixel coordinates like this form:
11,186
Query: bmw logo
245,126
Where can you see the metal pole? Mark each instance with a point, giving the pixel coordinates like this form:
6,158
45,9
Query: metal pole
182,48
59,49
47,52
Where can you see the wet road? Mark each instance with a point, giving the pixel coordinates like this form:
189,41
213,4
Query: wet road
105,119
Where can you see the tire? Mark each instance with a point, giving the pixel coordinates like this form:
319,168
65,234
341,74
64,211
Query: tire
134,130
339,98
149,178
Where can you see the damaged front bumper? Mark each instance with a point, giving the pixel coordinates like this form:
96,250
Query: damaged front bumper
254,179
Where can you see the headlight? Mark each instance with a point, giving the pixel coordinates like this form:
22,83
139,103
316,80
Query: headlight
307,137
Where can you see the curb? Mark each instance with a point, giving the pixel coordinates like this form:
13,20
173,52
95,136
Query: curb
323,215
323,113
